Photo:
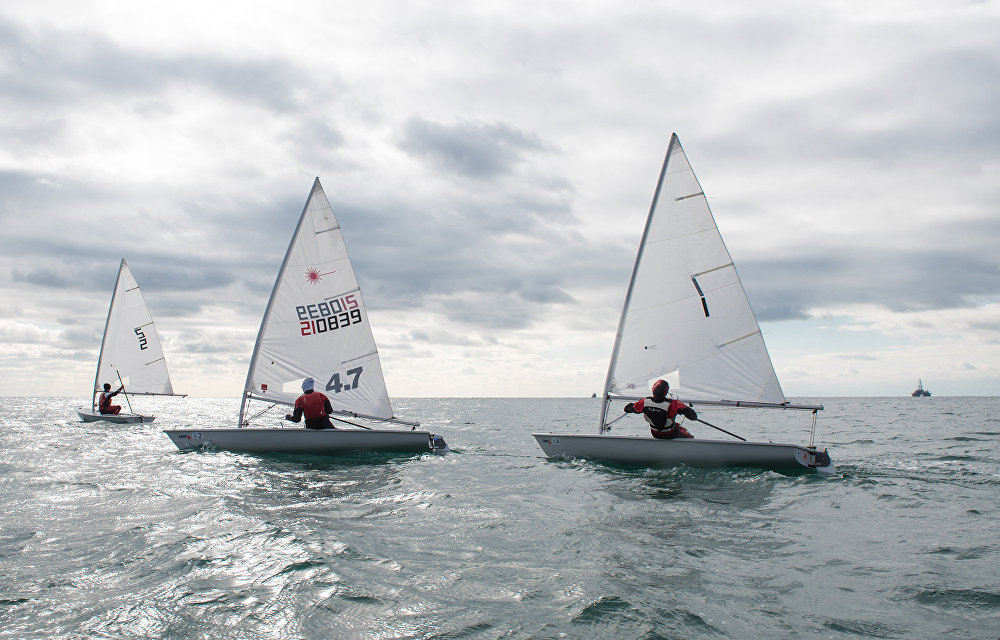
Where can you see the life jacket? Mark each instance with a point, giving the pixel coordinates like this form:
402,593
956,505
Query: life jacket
104,404
313,404
661,417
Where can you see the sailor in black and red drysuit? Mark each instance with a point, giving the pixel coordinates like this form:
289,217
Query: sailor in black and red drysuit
661,413
314,406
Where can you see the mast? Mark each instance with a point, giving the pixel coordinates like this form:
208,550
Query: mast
97,374
270,301
631,285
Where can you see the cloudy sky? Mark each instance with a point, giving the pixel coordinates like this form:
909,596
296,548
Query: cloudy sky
491,164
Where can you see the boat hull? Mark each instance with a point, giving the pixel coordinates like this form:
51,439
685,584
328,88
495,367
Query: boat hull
305,441
649,452
121,418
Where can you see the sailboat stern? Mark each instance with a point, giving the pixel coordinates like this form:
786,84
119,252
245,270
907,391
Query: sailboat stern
816,459
438,443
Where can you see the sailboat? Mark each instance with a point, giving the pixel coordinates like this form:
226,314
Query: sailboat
920,392
131,356
686,317
315,326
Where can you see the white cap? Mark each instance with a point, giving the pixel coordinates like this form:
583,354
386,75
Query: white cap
307,384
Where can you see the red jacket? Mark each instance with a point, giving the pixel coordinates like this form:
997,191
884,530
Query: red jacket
313,405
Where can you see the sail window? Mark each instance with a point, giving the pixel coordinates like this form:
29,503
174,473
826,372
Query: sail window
704,304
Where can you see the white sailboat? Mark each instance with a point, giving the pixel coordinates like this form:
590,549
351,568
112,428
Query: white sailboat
315,326
131,355
686,317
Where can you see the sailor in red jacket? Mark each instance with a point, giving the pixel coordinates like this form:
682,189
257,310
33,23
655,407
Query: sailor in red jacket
314,406
661,413
104,402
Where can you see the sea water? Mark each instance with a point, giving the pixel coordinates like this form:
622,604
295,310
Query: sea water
109,532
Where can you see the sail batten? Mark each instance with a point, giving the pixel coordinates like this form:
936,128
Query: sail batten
722,266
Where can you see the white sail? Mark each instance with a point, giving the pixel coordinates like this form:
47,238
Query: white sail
686,314
131,346
316,325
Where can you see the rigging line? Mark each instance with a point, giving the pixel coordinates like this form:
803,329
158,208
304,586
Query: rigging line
260,413
720,429
351,423
124,392
608,425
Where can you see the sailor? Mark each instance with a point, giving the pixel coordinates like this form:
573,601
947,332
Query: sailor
314,406
104,402
661,413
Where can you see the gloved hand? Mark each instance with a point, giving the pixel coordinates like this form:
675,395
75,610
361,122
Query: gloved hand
630,408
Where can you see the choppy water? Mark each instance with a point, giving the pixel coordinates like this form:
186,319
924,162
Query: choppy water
110,532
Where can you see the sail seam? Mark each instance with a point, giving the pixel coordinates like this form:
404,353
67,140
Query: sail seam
361,357
683,235
342,293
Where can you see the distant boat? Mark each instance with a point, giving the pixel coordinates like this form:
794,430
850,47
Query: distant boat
593,395
686,312
920,392
131,355
315,326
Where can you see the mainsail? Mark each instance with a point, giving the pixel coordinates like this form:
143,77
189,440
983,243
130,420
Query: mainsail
131,347
686,314
316,325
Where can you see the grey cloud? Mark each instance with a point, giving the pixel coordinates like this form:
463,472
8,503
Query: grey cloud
58,65
202,343
899,280
475,150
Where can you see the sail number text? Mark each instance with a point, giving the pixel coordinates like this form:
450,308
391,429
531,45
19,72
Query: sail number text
142,338
328,315
336,386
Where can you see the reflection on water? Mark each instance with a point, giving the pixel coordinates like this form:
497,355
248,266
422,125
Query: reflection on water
109,531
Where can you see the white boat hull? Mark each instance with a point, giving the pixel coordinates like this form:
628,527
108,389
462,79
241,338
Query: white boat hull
305,441
121,418
647,451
